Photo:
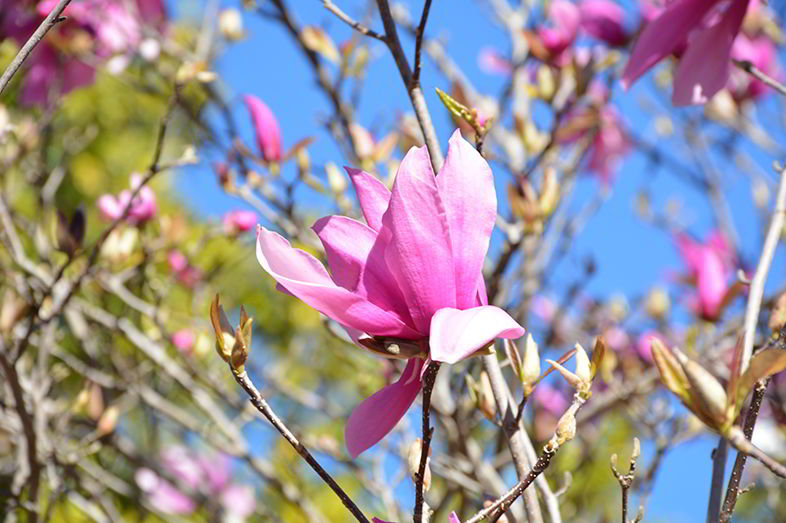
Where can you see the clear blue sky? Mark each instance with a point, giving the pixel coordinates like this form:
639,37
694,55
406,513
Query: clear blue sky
631,255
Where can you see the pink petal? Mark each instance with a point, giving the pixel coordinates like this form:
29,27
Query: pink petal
372,195
704,68
711,283
183,340
490,61
466,188
644,343
109,208
551,399
239,500
239,221
453,518
419,251
565,16
303,276
664,34
356,259
604,20
266,128
378,414
456,334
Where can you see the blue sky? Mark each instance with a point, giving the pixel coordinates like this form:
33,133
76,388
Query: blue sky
631,255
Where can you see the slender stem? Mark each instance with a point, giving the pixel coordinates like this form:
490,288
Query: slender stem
626,480
716,486
48,23
757,73
419,42
760,277
428,385
415,93
738,440
354,24
733,489
262,406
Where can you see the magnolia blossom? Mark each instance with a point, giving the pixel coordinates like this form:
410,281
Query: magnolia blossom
559,36
604,20
551,399
411,276
183,340
101,27
709,28
644,343
185,273
142,208
762,53
199,474
266,128
710,264
239,221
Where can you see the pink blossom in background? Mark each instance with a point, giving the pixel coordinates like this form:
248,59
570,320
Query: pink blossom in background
185,273
544,307
616,338
550,399
711,265
143,207
559,36
413,271
183,340
610,145
492,62
239,221
709,27
762,53
604,20
644,343
206,474
266,128
112,26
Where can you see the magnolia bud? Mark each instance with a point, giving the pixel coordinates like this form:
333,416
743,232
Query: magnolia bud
530,369
413,463
230,24
317,40
706,391
549,192
658,303
583,369
484,397
512,352
108,421
572,379
566,429
336,179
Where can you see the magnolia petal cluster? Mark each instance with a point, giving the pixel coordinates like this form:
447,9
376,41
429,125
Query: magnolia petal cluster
141,209
266,127
411,273
711,264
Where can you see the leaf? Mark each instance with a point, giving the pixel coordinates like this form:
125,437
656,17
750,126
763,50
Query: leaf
598,351
764,364
317,40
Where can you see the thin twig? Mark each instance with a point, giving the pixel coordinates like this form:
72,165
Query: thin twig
262,406
415,93
760,277
757,73
428,385
354,24
733,490
48,23
419,43
719,455
740,442
626,480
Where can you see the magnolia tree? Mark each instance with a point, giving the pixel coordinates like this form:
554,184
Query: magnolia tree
429,342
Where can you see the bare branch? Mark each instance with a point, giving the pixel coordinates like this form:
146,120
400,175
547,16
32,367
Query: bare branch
354,24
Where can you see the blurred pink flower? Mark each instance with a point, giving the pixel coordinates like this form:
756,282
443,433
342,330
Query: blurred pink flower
564,18
185,273
610,144
550,399
544,307
183,340
709,27
644,343
413,272
209,475
604,20
141,209
239,221
266,128
710,264
616,338
492,62
762,53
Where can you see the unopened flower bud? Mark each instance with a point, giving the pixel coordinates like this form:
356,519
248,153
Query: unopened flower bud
572,379
317,40
566,429
530,369
658,303
549,192
336,179
225,334
413,463
230,24
108,421
706,391
482,395
512,352
583,369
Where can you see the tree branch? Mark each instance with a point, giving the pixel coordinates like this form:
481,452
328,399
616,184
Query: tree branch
428,386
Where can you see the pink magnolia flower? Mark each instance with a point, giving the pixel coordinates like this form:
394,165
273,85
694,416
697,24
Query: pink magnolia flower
565,20
183,340
644,343
492,62
551,399
710,264
143,207
239,221
709,27
762,53
266,128
610,144
604,20
411,275
209,475
185,273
